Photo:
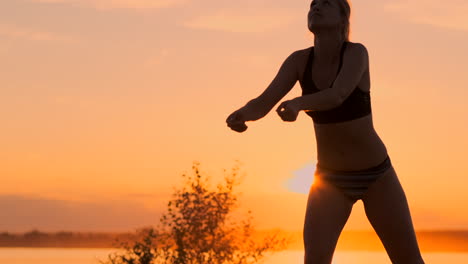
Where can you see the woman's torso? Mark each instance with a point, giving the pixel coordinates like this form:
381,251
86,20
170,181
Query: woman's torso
349,145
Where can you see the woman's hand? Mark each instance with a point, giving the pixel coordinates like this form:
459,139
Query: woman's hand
288,110
253,110
236,121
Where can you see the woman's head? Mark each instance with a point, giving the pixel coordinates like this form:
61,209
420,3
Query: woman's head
330,15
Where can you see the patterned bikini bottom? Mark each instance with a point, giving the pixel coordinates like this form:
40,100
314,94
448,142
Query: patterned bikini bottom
353,184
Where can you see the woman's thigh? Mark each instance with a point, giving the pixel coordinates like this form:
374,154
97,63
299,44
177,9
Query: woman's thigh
327,211
387,209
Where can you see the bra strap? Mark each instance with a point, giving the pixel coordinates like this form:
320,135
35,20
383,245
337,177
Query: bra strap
341,61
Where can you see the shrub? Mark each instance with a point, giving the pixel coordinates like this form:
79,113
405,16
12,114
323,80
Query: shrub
196,229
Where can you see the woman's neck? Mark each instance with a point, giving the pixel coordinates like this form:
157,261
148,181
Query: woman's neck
327,47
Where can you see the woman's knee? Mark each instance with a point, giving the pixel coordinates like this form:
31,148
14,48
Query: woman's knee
313,256
411,258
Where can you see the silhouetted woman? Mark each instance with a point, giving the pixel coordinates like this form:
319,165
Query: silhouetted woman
353,162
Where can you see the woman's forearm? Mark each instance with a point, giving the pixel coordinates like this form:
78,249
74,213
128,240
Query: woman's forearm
319,101
256,109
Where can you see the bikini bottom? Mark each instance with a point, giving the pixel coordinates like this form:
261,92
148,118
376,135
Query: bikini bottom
353,184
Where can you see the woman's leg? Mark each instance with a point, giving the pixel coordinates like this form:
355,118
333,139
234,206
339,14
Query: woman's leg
327,211
387,209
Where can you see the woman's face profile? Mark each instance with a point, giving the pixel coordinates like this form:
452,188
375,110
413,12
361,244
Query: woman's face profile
324,14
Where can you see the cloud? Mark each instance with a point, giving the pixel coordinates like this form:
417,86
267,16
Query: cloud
450,14
21,213
243,21
114,4
13,31
302,180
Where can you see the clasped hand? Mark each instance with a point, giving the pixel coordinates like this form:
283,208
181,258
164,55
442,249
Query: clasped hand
288,110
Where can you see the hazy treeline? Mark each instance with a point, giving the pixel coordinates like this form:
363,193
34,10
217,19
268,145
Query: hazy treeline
442,240
36,238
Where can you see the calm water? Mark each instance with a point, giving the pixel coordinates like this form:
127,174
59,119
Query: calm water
91,256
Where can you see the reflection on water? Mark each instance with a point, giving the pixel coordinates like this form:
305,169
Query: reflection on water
52,255
359,257
91,256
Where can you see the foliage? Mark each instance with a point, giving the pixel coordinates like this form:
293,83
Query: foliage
196,229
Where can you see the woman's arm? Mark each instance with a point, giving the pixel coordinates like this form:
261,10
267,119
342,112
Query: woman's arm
355,63
283,82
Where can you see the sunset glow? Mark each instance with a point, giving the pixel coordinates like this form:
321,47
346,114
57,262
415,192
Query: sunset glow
105,104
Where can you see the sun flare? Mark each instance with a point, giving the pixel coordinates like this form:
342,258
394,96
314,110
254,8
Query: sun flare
302,180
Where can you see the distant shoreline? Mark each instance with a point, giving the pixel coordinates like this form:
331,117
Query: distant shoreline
429,240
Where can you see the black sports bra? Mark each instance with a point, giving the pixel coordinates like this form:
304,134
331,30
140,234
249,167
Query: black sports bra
356,105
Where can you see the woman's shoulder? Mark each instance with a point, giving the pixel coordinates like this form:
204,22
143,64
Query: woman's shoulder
357,46
301,55
304,52
299,58
355,43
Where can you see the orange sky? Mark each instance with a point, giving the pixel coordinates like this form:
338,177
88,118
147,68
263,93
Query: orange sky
105,103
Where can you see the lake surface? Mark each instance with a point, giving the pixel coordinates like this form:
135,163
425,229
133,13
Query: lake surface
91,256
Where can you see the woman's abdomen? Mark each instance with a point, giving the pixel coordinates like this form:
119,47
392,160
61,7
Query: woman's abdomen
351,145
